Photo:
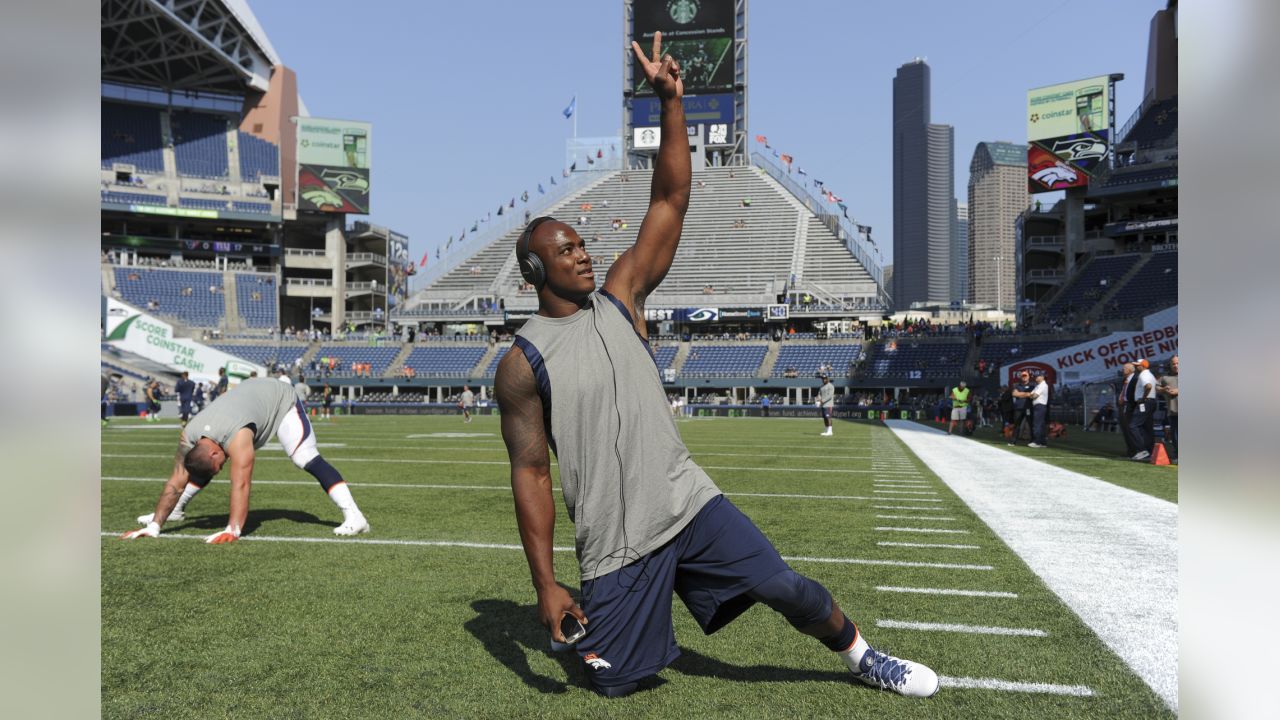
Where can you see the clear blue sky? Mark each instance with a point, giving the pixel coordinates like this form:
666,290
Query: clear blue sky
466,97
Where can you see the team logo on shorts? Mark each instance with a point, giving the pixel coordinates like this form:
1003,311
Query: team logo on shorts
596,662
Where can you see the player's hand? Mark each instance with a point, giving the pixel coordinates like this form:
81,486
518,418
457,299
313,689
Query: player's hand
552,605
151,530
229,535
662,72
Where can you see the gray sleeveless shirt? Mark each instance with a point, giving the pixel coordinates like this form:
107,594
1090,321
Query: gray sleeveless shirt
261,402
628,481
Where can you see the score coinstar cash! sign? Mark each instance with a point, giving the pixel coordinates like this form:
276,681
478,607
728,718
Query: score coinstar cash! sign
135,331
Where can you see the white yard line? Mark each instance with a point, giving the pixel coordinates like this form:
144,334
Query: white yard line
944,531
957,628
1014,686
915,517
889,543
1110,553
907,507
504,546
947,591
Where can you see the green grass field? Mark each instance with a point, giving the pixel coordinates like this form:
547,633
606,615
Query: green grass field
419,625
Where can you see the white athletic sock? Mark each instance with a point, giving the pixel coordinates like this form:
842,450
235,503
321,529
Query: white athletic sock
188,492
340,494
854,653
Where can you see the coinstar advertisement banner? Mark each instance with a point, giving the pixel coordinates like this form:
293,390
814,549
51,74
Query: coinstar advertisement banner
137,332
334,163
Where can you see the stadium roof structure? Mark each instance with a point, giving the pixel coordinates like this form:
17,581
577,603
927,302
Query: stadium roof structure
191,45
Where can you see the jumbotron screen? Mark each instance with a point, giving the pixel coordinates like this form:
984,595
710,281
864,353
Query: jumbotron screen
697,33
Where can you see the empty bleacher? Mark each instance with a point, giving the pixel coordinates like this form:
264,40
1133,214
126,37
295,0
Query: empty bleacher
251,207
1156,125
806,358
257,298
181,294
1093,281
1155,286
723,360
200,144
258,157
909,359
1001,351
664,356
202,203
132,198
131,134
265,355
445,360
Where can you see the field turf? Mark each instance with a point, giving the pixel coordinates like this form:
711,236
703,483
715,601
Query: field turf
432,614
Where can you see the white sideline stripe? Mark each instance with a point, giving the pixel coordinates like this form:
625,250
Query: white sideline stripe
503,546
900,485
961,683
1109,553
907,507
887,543
414,486
906,492
955,627
947,591
944,531
916,517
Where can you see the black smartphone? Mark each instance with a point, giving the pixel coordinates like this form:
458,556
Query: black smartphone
571,629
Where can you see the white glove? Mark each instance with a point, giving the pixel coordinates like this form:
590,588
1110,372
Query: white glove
231,534
151,530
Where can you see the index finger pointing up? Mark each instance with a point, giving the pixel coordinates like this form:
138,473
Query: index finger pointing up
657,47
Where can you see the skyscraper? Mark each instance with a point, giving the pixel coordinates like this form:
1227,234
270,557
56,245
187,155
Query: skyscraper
960,252
923,193
997,194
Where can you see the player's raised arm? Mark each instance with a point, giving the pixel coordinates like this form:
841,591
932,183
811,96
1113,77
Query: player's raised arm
526,442
642,267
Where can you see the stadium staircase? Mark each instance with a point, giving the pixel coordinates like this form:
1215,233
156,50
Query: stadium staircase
397,363
482,367
682,354
770,359
969,370
1099,307
232,322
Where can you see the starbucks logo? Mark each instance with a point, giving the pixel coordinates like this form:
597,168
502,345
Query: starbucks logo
683,11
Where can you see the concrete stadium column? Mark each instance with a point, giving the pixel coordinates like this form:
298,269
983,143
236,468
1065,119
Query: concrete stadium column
1073,221
335,249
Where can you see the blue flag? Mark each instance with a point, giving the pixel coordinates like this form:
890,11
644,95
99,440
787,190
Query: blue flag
573,105
540,190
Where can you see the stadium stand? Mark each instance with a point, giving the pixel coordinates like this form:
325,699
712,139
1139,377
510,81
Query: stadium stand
1156,125
130,198
492,369
181,294
1001,351
202,204
1154,286
258,157
439,361
131,134
257,299
907,359
200,144
251,207
379,358
265,355
806,358
724,360
737,244
664,356
1088,287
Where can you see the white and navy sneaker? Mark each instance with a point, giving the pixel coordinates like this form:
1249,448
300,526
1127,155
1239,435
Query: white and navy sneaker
353,525
887,672
175,516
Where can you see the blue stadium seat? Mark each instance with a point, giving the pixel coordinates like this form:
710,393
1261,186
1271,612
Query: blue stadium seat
260,311
908,359
131,134
265,355
258,157
200,144
435,360
181,294
378,357
724,360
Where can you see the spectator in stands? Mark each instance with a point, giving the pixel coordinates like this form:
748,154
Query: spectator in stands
1168,387
233,430
1039,413
1022,391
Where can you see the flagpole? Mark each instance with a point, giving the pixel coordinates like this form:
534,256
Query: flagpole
575,116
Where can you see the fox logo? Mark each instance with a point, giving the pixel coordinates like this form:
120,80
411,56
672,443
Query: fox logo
596,662
1056,174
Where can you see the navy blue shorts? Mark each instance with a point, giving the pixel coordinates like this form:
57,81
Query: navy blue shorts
711,564
826,413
